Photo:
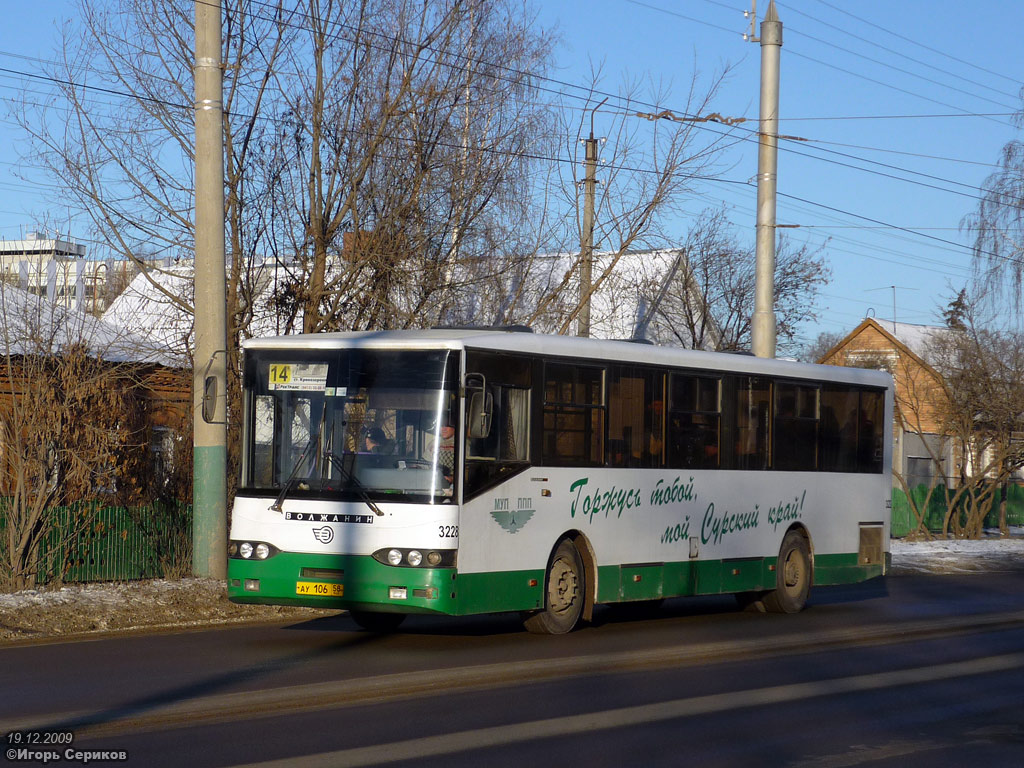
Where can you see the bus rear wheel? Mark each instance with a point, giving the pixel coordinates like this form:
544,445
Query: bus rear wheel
375,621
792,575
565,591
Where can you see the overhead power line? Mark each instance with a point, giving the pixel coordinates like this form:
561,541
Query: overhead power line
893,52
1016,81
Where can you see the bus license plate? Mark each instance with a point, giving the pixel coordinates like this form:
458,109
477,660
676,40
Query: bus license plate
319,588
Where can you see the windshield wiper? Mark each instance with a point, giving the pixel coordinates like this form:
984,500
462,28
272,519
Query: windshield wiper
276,506
350,478
314,439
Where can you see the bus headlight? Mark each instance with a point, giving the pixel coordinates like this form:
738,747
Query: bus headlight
249,550
416,558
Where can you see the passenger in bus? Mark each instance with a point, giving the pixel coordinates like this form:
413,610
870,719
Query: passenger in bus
446,450
445,444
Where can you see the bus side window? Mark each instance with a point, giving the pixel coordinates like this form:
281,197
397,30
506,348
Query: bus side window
869,447
636,423
505,448
753,404
574,415
795,432
694,430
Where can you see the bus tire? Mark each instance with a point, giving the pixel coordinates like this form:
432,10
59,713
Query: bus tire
564,593
375,621
792,576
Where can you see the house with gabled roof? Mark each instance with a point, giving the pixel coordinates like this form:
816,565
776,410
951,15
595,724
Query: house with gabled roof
31,326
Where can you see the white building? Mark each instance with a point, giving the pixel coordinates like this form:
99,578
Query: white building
56,268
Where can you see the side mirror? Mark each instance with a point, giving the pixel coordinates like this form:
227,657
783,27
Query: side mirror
209,399
480,406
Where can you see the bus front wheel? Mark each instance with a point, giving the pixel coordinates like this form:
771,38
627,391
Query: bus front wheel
565,591
793,576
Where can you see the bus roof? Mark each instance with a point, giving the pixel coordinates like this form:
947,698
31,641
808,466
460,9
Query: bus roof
501,340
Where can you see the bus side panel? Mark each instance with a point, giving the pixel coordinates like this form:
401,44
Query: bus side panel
658,533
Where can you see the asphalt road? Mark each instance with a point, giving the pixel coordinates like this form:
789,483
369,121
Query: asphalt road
918,670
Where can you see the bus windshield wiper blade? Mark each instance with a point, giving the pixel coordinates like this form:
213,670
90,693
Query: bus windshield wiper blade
350,478
276,506
314,439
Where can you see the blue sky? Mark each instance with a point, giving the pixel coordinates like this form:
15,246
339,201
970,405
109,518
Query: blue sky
904,107
863,91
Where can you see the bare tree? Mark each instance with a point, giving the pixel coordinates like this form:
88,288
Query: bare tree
400,156
651,162
120,140
965,403
983,369
998,223
710,299
72,428
817,349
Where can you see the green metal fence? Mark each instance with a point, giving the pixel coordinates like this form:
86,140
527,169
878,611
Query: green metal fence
94,542
904,521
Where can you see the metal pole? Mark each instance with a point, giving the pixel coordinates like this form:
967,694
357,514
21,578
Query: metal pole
587,236
587,239
209,487
763,321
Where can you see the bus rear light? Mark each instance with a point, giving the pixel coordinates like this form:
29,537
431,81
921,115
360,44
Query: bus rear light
397,593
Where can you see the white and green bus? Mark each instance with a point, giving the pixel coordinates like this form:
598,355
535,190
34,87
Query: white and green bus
472,471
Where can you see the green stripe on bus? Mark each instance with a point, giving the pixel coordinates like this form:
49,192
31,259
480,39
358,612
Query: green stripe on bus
842,569
367,582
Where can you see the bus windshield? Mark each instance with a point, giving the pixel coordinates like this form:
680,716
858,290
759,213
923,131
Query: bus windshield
376,425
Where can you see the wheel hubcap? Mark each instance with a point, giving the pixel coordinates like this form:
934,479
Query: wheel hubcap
563,586
793,570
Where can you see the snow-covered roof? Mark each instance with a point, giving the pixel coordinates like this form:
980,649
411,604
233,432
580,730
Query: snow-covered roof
917,338
154,304
630,301
32,324
151,306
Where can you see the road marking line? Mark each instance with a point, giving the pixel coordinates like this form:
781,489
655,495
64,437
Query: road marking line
504,735
157,713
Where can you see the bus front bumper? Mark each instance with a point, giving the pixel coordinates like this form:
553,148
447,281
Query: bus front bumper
340,581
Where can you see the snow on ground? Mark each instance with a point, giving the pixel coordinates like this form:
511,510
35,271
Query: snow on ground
79,609
959,555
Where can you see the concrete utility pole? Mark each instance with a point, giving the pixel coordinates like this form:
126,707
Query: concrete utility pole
209,404
763,321
587,236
